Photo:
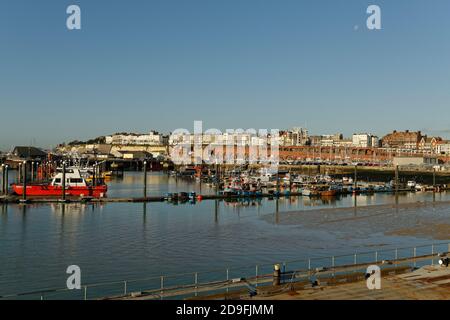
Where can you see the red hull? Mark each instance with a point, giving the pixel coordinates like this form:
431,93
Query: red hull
47,190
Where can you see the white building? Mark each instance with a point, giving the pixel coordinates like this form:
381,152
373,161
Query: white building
364,140
152,138
443,148
293,137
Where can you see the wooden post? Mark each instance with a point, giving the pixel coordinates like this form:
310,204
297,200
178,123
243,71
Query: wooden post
355,182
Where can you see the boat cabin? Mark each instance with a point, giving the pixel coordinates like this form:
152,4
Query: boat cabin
73,178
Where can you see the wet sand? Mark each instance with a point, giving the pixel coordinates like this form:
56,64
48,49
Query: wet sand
420,219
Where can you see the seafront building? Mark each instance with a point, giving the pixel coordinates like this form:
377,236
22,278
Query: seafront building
295,145
151,138
365,140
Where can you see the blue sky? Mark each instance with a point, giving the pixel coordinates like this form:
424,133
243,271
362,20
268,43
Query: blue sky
141,65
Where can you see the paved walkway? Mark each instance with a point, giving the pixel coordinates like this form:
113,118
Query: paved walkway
426,283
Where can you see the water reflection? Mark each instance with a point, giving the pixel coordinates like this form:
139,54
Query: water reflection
137,240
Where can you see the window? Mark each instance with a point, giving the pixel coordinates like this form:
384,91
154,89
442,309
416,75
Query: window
76,180
58,180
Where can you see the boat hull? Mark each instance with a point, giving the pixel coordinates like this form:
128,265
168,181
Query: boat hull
54,191
328,193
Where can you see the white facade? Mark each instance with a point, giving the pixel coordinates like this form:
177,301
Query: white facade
227,138
364,140
443,148
297,137
152,138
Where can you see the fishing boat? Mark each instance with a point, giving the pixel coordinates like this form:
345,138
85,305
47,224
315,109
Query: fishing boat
75,185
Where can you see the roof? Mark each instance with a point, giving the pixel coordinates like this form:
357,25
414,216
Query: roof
29,152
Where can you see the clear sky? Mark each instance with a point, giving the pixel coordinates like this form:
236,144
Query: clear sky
138,65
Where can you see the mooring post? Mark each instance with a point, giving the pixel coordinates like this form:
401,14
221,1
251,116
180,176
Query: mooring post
100,172
19,173
396,178
24,182
355,182
32,171
3,179
64,181
278,184
94,176
145,179
6,179
434,179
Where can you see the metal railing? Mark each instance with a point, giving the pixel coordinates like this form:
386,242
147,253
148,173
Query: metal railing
182,285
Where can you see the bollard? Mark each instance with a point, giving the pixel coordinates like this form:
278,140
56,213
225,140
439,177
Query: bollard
276,275
145,179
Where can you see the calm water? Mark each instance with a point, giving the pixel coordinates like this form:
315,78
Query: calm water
119,241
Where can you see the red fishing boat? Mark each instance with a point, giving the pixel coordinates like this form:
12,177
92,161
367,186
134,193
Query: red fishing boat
75,185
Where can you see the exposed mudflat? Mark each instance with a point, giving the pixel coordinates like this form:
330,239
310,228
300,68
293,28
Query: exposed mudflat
419,219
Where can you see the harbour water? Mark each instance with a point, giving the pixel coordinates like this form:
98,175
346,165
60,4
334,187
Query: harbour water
118,241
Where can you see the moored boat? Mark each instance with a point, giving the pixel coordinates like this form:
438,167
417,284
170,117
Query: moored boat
75,185
328,193
310,192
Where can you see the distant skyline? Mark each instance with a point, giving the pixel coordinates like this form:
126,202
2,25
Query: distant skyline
159,65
